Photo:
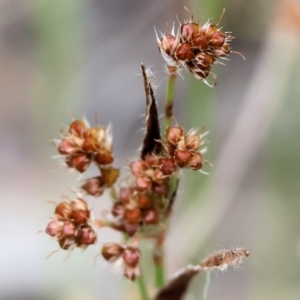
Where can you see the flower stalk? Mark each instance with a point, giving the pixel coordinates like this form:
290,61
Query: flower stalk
142,202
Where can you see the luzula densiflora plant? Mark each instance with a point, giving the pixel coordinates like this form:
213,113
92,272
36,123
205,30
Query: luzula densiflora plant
142,202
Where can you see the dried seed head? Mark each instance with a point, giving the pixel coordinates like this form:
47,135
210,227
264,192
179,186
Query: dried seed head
112,251
224,258
192,44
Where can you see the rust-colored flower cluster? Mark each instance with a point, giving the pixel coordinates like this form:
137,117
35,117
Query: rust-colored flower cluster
182,150
71,225
127,256
195,47
83,144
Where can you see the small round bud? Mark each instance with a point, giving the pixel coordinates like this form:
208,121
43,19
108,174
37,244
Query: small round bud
63,210
67,243
151,161
131,256
86,236
204,60
217,39
150,217
78,127
132,216
104,157
79,204
167,166
174,134
182,157
192,142
67,147
211,29
160,189
54,228
195,162
94,186
79,162
89,144
185,52
69,229
189,30
112,251
80,216
118,209
144,201
109,175
200,41
125,194
137,167
158,176
142,183
168,43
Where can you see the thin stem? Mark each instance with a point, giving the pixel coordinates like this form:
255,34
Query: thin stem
142,287
159,276
158,258
170,90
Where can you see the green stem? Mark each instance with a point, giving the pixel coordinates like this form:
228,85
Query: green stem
170,90
159,276
158,258
142,287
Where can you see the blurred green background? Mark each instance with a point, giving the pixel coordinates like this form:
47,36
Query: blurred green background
84,56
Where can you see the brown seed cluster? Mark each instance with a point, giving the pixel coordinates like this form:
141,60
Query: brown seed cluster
127,255
142,202
71,225
182,150
83,144
195,47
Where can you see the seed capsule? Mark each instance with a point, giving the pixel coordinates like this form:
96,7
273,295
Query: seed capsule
112,251
174,134
182,157
63,210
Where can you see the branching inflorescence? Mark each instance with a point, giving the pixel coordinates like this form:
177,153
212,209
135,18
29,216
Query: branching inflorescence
142,202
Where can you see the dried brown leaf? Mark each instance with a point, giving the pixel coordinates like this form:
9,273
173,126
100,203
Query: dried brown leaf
152,135
178,286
